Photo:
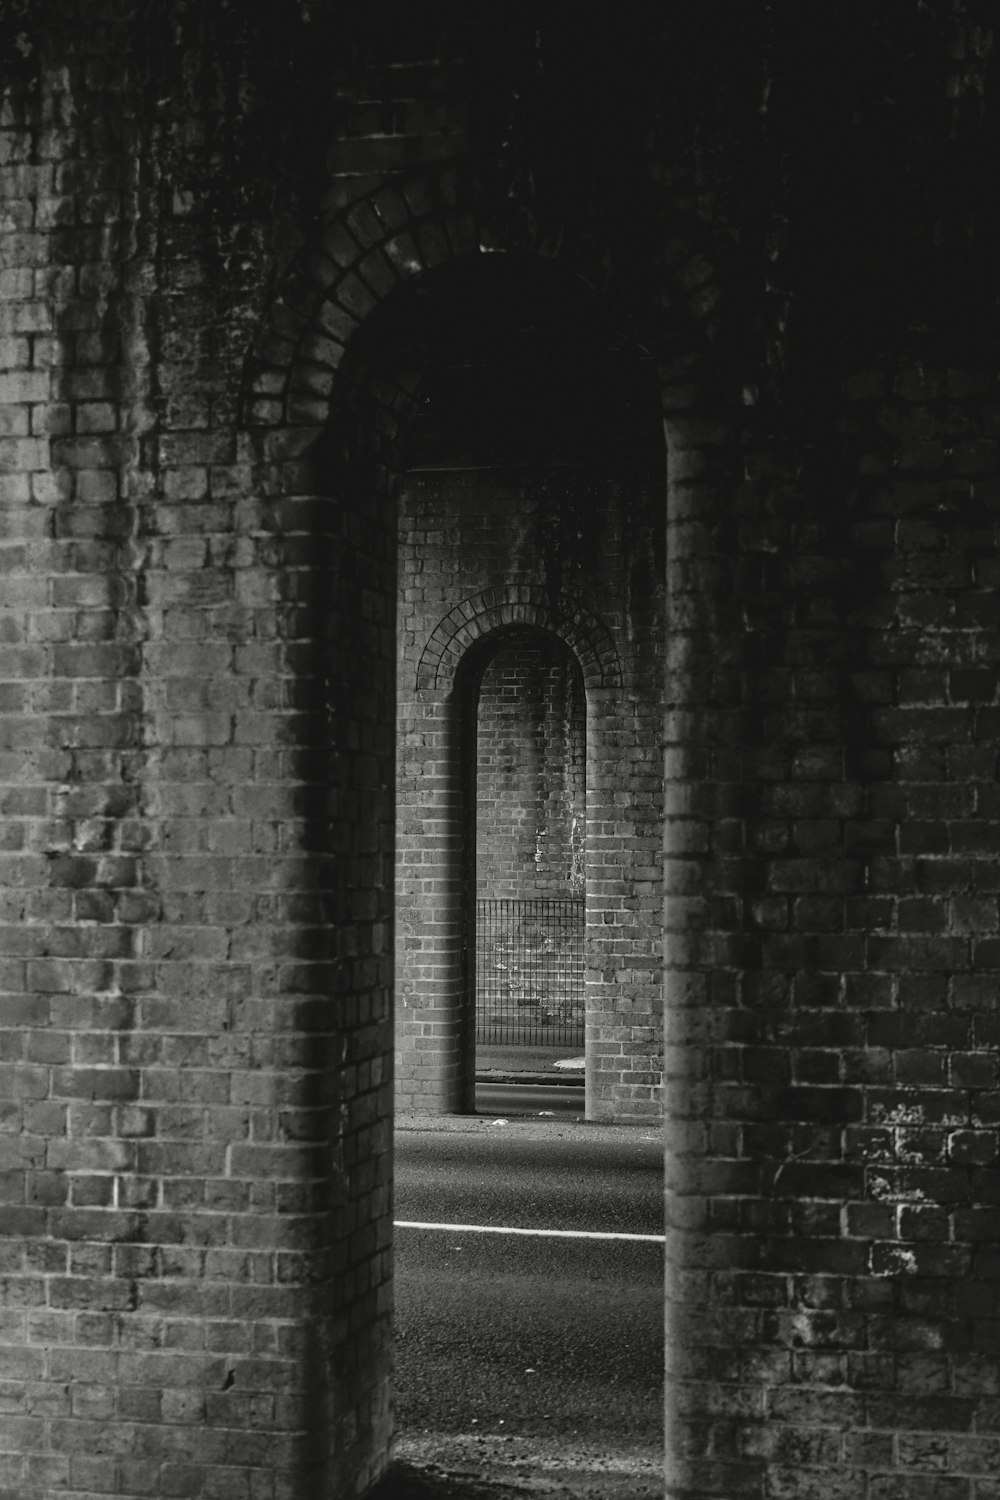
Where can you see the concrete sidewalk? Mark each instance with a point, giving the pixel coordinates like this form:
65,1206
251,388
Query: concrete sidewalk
520,1064
528,1127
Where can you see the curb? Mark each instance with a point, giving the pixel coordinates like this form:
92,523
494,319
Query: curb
561,1080
568,1127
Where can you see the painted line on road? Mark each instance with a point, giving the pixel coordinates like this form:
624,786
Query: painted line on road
558,1234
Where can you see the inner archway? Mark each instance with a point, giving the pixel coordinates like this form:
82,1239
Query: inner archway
530,495
530,855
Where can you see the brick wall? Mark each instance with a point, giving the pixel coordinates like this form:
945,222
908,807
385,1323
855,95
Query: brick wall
831,1012
530,767
195,1122
835,1171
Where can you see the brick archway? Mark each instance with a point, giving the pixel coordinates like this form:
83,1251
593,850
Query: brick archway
587,637
389,237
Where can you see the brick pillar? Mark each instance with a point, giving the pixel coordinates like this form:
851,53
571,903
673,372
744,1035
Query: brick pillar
196,886
435,889
197,1164
624,883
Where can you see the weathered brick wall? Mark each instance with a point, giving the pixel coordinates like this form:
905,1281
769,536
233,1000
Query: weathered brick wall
195,1007
836,1172
530,773
832,757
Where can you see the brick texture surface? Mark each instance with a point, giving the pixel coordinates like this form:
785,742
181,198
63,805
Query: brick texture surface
195,1023
531,795
290,294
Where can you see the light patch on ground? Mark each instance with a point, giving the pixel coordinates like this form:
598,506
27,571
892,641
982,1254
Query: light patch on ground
490,1466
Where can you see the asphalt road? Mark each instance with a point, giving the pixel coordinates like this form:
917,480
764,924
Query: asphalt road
536,1355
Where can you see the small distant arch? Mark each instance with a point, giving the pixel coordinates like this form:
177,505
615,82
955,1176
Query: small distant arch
519,605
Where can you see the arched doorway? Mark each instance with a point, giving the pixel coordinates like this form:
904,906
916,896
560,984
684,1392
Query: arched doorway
530,493
530,812
588,562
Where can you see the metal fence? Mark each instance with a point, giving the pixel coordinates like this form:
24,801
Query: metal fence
529,972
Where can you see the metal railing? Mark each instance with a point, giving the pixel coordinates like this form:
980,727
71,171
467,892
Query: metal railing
529,972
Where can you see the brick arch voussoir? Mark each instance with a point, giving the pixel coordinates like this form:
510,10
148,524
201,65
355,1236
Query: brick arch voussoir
362,253
409,224
587,637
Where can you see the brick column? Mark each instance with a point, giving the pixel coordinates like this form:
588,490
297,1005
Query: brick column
435,889
624,913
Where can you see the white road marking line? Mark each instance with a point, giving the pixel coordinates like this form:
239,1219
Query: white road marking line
559,1234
